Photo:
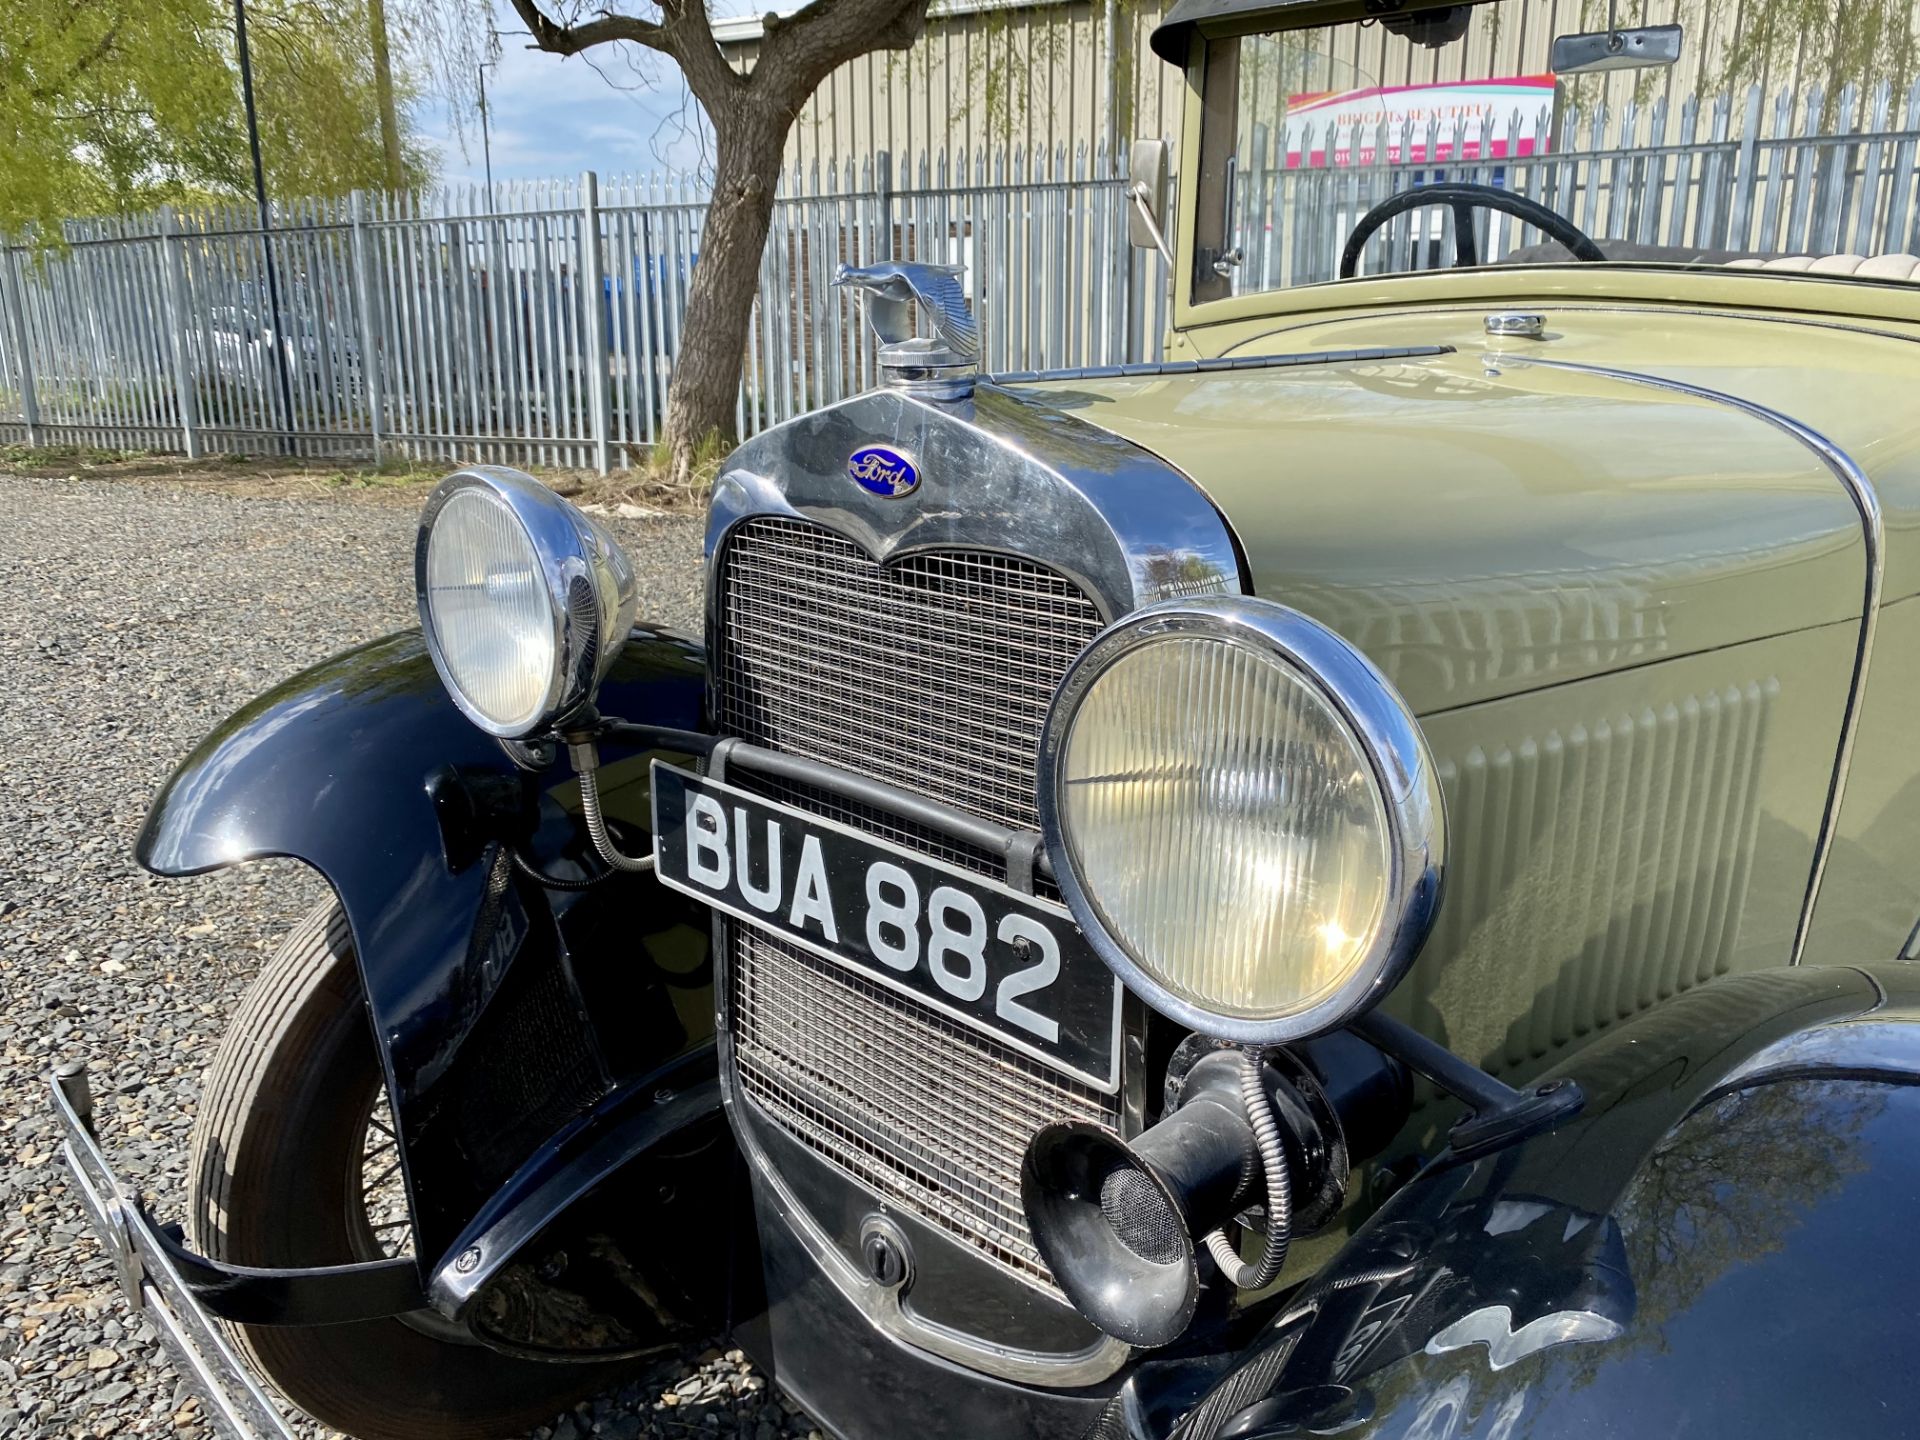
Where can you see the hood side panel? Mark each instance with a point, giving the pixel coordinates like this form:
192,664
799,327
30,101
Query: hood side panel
1628,616
1852,379
1481,530
1623,839
1870,899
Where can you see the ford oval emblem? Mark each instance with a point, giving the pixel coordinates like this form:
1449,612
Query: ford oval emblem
884,472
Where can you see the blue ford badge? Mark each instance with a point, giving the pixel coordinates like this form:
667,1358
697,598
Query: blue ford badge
883,471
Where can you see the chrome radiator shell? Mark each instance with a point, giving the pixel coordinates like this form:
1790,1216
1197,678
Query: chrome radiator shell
1008,488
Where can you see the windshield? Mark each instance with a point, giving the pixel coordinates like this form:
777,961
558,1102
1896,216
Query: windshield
1302,141
1372,149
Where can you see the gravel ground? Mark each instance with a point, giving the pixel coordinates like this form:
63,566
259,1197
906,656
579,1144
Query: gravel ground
132,619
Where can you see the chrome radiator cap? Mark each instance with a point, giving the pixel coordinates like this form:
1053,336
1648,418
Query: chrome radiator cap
928,369
942,366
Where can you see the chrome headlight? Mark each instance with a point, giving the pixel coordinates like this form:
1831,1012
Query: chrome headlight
1242,816
525,601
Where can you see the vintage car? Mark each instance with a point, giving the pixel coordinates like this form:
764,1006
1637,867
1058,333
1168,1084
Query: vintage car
1354,881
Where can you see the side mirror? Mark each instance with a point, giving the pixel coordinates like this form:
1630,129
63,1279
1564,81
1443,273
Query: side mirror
1642,48
1147,196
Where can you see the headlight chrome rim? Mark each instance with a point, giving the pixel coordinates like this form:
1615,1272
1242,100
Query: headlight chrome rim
569,549
1388,736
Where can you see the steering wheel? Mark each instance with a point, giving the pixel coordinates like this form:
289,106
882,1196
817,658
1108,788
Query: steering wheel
1465,199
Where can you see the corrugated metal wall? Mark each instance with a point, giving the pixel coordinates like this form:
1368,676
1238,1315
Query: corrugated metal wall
989,72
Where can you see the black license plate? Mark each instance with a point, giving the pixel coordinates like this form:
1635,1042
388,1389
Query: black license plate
1006,963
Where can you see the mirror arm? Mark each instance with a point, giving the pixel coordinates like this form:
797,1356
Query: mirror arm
1137,193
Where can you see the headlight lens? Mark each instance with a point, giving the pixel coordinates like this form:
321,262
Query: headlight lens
1250,839
525,601
487,603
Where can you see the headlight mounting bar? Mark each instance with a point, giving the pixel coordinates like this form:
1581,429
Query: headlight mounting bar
1498,1114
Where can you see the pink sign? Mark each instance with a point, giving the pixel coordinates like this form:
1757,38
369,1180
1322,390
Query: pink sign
1343,127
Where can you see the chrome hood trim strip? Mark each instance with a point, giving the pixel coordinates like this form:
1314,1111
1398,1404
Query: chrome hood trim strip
1873,533
1155,369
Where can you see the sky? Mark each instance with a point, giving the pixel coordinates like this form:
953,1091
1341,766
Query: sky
614,109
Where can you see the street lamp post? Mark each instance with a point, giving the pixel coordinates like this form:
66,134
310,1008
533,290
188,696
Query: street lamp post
486,140
266,226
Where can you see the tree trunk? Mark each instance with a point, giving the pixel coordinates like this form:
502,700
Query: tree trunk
383,93
706,372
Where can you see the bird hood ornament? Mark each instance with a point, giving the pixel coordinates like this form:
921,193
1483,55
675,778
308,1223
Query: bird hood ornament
941,366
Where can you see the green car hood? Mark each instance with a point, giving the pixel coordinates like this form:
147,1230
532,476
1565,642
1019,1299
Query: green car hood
1482,524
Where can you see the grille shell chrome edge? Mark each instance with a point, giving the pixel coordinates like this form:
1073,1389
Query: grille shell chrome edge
1002,476
1000,473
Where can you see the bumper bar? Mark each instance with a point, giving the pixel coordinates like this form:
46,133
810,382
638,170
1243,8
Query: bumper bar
233,1399
182,1293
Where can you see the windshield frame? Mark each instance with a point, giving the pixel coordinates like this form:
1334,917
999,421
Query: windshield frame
1198,303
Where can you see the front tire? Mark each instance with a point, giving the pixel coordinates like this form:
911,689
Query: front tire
277,1178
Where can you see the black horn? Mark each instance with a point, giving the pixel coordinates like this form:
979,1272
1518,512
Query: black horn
1119,1224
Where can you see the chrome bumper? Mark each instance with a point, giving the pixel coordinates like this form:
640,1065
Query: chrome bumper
234,1401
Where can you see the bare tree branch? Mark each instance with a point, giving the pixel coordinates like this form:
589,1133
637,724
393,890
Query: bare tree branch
752,113
712,80
564,39
802,49
684,33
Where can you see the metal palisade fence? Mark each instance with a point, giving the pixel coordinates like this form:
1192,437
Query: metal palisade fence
542,329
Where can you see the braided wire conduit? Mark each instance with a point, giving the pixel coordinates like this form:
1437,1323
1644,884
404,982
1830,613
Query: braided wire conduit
586,764
1273,1160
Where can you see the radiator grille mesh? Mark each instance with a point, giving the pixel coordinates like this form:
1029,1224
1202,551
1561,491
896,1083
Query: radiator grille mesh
926,1112
933,674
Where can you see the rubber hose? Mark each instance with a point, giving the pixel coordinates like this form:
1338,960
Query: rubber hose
1273,1160
554,882
586,762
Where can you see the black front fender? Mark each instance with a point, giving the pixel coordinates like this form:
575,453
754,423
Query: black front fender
1718,1244
504,1011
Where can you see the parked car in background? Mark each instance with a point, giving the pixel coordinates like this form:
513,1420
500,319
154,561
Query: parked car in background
1360,880
321,360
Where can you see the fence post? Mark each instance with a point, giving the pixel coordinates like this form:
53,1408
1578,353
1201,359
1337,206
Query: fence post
16,323
1899,234
1745,172
596,300
883,194
363,313
1110,46
173,300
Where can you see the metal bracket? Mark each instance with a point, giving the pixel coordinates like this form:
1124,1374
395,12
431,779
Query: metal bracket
656,737
1137,193
245,1294
1499,1115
